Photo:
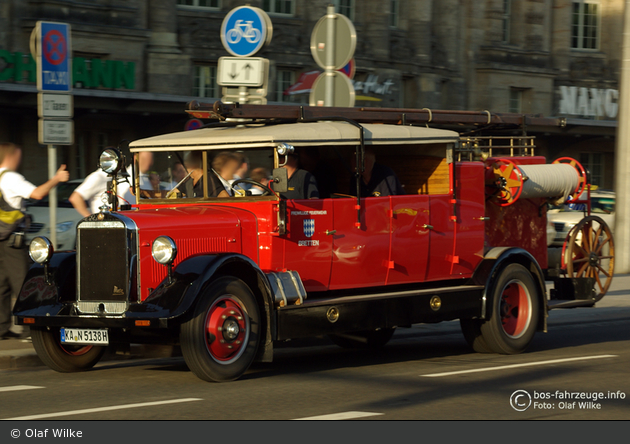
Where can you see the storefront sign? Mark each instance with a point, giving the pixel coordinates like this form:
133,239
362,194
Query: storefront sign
86,73
589,102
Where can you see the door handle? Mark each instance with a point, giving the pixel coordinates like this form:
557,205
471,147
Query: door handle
482,218
427,226
331,232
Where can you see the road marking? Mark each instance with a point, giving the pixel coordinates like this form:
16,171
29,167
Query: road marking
14,388
339,416
527,364
102,409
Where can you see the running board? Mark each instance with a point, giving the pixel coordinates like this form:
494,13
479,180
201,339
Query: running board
559,303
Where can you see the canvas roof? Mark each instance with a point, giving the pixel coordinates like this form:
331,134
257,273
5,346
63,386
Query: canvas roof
297,134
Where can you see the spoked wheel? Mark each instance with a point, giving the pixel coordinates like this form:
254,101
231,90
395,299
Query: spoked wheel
590,253
64,358
372,339
219,343
512,317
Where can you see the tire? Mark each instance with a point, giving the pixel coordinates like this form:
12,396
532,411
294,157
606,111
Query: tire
514,308
220,342
64,358
372,339
471,328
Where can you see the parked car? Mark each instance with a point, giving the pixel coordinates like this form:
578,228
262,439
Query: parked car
565,217
67,217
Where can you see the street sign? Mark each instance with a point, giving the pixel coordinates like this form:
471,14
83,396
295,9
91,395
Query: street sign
343,94
55,105
343,44
56,132
242,71
52,50
245,30
193,124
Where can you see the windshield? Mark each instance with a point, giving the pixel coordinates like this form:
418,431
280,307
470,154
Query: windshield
181,174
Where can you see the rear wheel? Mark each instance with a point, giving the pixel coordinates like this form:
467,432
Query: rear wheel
219,343
513,303
371,339
62,357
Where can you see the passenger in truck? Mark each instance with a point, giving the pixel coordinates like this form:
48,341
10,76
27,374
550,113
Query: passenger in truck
377,179
225,165
193,187
302,184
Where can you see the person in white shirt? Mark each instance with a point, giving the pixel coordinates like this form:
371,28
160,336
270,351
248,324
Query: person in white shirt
94,186
14,189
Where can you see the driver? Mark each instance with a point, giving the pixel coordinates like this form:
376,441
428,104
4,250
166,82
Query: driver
193,187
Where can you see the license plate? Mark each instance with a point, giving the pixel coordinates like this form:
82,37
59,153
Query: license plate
84,336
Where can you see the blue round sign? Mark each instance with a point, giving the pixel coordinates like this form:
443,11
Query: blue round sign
245,30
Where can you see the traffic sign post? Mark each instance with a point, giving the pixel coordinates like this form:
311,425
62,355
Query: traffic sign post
244,31
52,50
333,42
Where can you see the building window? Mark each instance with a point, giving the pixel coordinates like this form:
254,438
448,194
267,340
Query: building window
585,25
506,19
284,79
345,7
285,7
394,13
516,101
594,163
215,4
205,81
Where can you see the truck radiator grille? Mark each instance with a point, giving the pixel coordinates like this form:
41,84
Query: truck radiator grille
103,266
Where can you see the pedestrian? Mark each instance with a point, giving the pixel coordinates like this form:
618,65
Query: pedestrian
14,189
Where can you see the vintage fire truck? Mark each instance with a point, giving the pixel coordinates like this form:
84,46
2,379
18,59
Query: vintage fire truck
227,277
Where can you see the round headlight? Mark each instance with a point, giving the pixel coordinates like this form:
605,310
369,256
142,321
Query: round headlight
285,148
40,250
110,161
164,250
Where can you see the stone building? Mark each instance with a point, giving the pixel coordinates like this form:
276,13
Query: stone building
137,62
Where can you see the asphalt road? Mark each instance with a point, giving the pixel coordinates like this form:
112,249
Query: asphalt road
425,373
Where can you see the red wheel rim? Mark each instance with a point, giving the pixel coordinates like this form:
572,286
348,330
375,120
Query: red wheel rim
515,309
581,172
226,329
75,350
504,182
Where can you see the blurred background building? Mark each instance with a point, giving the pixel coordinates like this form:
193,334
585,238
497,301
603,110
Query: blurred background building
137,62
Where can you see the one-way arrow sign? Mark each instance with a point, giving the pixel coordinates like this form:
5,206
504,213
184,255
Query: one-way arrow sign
242,71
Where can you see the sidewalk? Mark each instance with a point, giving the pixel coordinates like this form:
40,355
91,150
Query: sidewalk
19,353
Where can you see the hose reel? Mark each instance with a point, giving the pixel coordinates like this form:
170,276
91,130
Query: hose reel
507,182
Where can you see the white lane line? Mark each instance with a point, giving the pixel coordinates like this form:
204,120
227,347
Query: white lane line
14,388
339,416
527,364
102,409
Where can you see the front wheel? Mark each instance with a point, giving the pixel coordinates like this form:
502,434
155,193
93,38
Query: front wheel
220,342
64,358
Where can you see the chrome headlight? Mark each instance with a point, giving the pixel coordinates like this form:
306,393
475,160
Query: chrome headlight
284,149
40,250
110,161
164,250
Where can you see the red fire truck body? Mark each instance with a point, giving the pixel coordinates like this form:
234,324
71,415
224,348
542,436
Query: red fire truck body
227,277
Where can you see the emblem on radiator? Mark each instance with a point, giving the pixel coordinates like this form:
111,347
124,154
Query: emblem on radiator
118,291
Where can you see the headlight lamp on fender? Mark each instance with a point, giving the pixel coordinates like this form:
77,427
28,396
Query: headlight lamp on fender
40,250
110,161
164,250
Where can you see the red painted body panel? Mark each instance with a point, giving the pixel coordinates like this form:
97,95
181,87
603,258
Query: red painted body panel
522,224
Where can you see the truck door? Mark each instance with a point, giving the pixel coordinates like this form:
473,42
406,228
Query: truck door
361,254
307,247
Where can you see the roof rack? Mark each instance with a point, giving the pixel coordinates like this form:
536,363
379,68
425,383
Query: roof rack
395,116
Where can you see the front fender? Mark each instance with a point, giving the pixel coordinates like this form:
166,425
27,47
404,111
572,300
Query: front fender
47,288
190,279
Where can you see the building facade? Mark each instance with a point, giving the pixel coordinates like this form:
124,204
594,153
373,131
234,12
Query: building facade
137,62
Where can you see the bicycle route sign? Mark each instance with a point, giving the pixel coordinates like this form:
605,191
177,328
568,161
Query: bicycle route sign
53,55
245,30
